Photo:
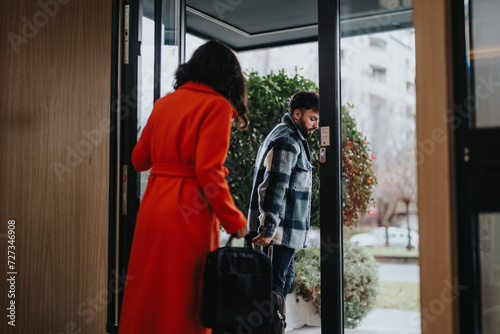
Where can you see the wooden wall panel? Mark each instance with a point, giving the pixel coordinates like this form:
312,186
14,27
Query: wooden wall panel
55,61
435,172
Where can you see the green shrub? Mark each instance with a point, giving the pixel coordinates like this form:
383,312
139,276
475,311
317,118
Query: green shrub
358,178
307,280
361,281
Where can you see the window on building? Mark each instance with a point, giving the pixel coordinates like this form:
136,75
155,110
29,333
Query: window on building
379,73
378,43
410,87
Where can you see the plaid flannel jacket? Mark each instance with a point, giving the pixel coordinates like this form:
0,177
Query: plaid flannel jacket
280,203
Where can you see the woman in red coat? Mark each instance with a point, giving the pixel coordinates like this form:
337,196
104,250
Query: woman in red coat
185,142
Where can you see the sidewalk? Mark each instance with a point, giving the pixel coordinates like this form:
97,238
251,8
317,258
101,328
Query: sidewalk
378,321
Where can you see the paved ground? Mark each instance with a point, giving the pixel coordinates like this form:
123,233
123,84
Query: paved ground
399,272
306,330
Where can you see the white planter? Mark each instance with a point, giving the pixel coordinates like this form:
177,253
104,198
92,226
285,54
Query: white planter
300,313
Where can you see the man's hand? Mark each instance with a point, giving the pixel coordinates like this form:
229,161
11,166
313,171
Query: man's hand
261,241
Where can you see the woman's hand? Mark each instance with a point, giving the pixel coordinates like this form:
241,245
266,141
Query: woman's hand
241,232
261,241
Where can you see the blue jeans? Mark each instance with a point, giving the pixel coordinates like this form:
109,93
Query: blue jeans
283,272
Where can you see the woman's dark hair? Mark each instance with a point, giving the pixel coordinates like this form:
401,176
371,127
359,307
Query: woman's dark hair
215,65
304,101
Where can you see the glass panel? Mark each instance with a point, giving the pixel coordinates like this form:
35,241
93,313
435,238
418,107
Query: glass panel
365,17
485,60
145,98
170,44
489,234
169,60
378,79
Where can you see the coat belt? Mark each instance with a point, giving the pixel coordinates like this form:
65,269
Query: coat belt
172,169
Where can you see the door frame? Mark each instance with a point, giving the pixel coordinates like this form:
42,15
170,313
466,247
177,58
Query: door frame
332,267
437,174
124,202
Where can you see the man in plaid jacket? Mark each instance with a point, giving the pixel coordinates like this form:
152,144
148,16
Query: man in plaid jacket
280,203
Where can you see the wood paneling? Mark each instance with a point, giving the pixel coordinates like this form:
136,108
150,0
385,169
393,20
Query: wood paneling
55,61
435,172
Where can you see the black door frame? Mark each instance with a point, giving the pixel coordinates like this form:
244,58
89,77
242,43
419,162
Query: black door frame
476,170
332,268
124,198
466,227
111,316
124,181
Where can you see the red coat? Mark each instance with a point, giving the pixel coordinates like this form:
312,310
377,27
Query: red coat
185,142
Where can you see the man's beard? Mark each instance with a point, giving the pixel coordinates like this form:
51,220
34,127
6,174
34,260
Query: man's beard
304,130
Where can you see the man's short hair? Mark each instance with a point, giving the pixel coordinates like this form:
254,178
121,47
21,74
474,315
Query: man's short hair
304,101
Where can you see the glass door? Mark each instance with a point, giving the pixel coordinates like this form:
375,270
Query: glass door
161,53
149,35
477,149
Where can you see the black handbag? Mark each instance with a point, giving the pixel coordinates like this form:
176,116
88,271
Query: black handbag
237,288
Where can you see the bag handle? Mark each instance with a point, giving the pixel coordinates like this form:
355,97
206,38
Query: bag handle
270,251
248,240
230,240
248,244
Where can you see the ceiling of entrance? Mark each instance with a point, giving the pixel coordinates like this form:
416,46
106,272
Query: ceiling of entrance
253,24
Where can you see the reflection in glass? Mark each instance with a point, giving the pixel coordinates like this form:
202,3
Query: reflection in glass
358,9
485,61
367,17
378,78
489,234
